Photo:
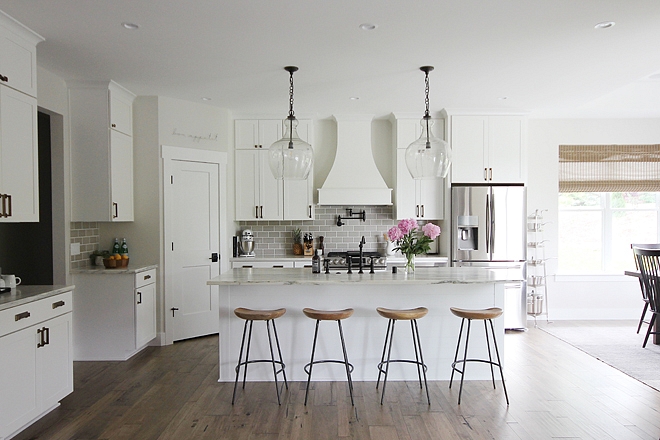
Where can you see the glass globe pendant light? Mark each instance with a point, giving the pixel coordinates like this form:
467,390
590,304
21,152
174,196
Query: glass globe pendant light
290,158
428,157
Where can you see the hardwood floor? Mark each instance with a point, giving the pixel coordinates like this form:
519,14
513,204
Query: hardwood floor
172,392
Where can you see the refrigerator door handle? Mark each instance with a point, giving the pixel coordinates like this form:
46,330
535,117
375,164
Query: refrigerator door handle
487,224
492,225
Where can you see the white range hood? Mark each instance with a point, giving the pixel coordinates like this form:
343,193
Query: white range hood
354,178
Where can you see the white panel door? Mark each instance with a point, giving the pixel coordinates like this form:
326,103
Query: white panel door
195,236
19,155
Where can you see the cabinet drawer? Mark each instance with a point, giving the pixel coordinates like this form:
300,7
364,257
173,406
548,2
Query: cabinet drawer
20,317
144,278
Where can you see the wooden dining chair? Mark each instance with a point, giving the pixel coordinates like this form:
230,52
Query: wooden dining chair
645,296
648,262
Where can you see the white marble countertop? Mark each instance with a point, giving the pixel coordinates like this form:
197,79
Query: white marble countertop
397,258
26,294
101,270
423,275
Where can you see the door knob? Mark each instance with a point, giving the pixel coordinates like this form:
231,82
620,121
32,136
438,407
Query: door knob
214,257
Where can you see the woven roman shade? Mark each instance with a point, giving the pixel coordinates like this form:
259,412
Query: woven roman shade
609,168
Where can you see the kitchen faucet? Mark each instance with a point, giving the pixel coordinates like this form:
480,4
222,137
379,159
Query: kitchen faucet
362,243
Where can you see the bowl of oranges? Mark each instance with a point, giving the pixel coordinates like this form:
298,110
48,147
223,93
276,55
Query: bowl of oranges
116,261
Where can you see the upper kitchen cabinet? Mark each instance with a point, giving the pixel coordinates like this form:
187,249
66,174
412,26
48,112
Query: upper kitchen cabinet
19,159
488,148
259,196
18,56
101,117
423,198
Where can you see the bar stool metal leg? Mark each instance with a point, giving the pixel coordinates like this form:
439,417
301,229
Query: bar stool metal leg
413,324
387,364
247,354
272,357
458,346
382,358
467,340
423,365
311,361
238,366
490,357
346,363
499,362
279,352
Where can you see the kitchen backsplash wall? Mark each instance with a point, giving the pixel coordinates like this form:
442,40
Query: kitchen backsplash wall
87,234
275,239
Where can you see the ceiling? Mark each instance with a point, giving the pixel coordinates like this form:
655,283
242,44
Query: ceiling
541,56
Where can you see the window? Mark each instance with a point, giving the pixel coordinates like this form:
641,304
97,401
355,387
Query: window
609,197
596,229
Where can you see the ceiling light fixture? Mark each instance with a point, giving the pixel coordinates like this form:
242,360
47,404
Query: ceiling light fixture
368,26
354,98
206,98
428,157
604,25
290,158
130,26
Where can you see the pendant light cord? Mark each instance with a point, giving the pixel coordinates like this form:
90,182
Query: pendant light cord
291,117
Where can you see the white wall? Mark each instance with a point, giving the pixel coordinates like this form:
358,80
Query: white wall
587,297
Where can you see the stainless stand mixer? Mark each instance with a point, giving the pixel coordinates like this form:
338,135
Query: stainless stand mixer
247,244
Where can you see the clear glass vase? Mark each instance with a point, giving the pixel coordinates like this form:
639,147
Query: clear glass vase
410,264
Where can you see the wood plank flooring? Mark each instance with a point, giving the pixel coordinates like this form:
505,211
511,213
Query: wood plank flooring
556,391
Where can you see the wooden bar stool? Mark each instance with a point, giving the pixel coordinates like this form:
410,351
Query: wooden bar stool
487,316
269,316
329,315
411,315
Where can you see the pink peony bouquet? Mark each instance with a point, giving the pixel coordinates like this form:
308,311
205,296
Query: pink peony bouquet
410,242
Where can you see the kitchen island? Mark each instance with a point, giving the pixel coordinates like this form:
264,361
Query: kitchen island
435,288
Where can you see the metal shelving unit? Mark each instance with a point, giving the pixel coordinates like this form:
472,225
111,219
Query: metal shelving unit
537,287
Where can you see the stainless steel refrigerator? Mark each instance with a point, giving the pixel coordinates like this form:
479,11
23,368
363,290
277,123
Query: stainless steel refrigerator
489,230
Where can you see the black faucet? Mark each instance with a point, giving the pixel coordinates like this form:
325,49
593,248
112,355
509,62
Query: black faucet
362,243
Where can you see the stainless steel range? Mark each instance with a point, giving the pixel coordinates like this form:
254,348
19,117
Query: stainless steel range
350,261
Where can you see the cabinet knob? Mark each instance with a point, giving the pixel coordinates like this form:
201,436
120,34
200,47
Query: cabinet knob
4,78
113,125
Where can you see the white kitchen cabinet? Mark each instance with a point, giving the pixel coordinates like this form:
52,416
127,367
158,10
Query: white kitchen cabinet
101,119
19,160
19,157
422,198
115,314
259,196
36,359
488,148
18,56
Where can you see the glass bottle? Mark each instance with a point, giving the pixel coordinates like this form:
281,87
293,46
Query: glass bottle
124,247
316,262
115,247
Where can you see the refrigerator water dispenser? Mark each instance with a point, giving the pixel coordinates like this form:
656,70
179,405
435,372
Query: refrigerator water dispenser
468,232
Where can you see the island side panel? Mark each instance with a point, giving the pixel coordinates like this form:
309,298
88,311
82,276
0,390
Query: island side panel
364,331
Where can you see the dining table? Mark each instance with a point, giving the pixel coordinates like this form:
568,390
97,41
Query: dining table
638,275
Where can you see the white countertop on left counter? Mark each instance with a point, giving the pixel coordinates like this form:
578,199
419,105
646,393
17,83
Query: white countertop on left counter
27,294
103,271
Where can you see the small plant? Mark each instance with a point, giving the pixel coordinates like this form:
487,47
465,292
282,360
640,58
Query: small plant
297,235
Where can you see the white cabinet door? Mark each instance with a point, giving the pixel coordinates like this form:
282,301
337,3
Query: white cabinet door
246,134
19,399
121,112
121,176
145,314
19,157
406,199
247,184
299,194
430,196
18,62
270,191
506,149
55,361
469,144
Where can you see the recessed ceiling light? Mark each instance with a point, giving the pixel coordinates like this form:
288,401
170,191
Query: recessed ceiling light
368,26
503,98
131,26
354,98
206,98
604,25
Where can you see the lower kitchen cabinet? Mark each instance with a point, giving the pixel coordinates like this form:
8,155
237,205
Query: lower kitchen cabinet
36,360
115,314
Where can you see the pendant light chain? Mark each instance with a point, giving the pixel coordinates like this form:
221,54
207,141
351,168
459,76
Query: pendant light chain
291,94
427,115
